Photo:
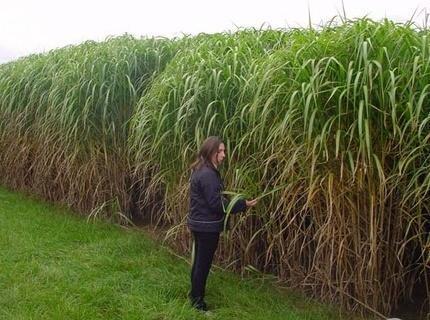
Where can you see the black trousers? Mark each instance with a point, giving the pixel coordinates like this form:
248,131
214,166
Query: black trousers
205,245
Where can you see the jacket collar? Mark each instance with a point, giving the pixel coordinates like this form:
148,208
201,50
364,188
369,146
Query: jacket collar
212,168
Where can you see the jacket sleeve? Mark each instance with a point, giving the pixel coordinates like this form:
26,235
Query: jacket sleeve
211,188
239,206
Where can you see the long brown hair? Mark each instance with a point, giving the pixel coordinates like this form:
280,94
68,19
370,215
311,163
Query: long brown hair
207,149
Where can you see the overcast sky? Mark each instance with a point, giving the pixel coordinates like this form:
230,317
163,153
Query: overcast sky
30,26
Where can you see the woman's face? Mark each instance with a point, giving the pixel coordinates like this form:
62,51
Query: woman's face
218,157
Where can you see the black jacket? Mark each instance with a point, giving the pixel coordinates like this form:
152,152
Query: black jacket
206,201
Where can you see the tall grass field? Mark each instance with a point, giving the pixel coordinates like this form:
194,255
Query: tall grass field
331,125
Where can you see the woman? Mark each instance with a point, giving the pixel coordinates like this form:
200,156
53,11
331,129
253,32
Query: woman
206,215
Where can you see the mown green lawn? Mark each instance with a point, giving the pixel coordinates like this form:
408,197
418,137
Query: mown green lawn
55,265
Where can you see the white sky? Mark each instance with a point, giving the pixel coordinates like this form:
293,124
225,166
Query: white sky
29,26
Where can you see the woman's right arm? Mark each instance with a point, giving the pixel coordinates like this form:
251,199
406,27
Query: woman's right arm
211,189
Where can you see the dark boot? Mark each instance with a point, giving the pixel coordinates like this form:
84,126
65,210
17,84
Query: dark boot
199,303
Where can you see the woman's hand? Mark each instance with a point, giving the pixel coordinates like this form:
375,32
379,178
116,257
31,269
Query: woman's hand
251,203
